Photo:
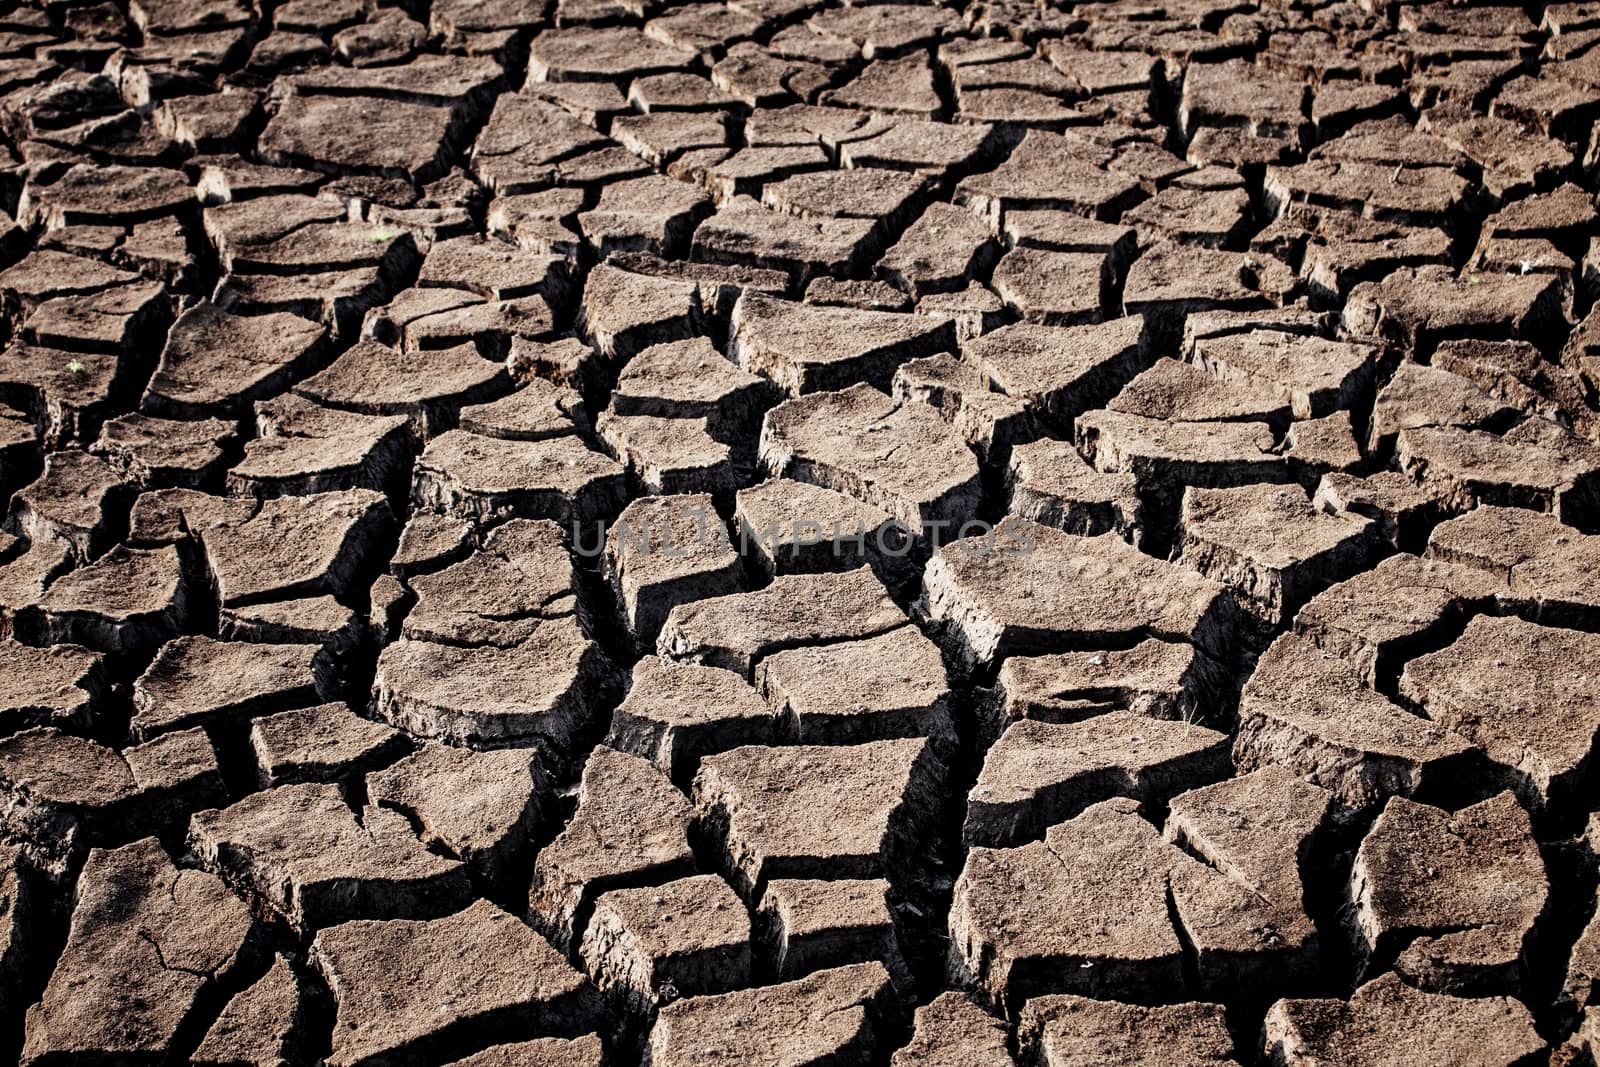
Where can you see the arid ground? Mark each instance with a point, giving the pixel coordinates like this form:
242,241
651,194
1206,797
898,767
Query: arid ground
780,532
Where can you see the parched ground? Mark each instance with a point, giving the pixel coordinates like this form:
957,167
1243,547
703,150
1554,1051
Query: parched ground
577,532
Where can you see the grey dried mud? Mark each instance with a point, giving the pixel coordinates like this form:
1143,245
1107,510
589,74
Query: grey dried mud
618,532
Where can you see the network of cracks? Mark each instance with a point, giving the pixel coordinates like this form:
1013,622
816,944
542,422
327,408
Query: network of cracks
768,532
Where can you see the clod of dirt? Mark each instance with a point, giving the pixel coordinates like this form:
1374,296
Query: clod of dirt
833,1013
1387,1023
198,681
1166,456
1516,372
161,453
991,422
538,410
300,852
631,828
302,448
617,54
1528,694
480,807
1420,889
1403,511
1040,773
1309,710
1053,288
952,1031
943,251
736,631
64,791
326,743
1270,546
59,686
1543,564
585,1051
901,457
1171,280
743,233
666,551
625,313
397,139
1029,589
486,478
431,541
502,594
1185,392
1051,484
1429,396
265,1023
1060,371
807,925
500,977
127,602
542,689
1244,912
77,499
1073,1031
1051,171
429,386
1315,377
787,527
219,363
296,546
690,379
1158,679
656,214
675,714
667,455
148,943
319,620
1318,447
686,938
1419,308
805,811
1538,465
1376,619
873,689
1033,920
804,348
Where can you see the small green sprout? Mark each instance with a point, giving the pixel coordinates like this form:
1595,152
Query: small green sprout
934,229
380,235
76,367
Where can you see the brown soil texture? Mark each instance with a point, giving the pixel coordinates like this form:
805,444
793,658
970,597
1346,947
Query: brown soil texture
990,533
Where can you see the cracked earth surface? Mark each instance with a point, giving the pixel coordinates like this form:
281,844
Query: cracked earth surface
578,532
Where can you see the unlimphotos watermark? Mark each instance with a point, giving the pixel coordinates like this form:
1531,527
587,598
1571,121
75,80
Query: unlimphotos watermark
686,532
